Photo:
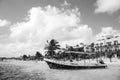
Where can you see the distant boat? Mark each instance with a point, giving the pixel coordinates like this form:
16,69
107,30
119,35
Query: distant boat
61,65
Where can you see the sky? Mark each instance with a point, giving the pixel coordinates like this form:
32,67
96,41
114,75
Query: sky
26,25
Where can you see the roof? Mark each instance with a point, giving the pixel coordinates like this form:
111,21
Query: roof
77,52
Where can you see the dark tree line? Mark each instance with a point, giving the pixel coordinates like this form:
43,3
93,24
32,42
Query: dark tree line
37,56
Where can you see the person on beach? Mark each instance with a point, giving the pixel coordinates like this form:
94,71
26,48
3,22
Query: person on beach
101,61
118,54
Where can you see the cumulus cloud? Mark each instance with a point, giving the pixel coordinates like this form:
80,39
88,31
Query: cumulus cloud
46,23
66,4
108,6
4,23
106,31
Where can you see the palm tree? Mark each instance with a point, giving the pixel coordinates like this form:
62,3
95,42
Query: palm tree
51,47
38,56
110,54
92,47
24,57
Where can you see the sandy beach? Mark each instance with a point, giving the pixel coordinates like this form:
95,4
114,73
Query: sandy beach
39,70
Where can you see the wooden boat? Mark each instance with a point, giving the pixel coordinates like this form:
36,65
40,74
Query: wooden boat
63,65
57,64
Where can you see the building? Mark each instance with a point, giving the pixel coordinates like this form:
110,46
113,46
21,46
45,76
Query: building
107,42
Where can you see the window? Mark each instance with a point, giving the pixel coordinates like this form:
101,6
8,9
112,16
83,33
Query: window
109,43
116,42
108,38
116,36
101,44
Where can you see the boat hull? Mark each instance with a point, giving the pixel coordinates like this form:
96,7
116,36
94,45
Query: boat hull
54,65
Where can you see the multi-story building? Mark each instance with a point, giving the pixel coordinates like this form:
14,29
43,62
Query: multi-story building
108,42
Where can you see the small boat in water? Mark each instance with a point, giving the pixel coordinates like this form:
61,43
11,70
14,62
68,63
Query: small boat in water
70,65
60,64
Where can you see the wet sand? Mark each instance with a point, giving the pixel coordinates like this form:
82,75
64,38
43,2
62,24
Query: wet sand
32,70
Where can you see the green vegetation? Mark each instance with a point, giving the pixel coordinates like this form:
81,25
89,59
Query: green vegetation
51,47
37,56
